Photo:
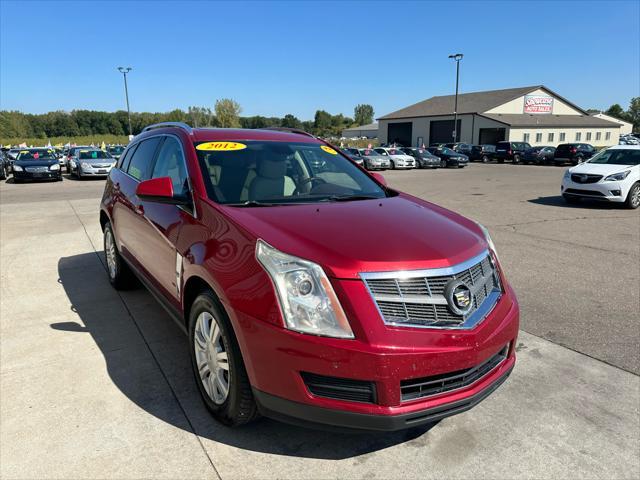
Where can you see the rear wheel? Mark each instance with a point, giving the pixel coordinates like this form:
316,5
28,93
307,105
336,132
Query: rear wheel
485,159
120,275
633,197
3,173
217,363
516,159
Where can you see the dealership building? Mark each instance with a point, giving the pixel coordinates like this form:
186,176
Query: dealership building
536,115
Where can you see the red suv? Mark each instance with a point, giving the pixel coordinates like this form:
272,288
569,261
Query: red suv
310,291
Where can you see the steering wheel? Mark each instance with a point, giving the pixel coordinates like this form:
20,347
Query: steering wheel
308,180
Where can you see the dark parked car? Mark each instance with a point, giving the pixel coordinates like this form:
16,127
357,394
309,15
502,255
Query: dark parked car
5,166
424,159
539,155
308,295
573,153
449,158
482,153
354,155
36,164
513,151
463,148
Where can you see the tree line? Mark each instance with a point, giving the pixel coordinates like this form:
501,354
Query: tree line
226,113
631,114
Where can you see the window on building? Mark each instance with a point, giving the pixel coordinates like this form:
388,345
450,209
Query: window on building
525,137
550,137
538,137
588,136
607,136
562,136
578,136
598,135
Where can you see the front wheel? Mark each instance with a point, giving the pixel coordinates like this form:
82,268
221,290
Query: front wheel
485,159
633,197
393,165
217,363
443,164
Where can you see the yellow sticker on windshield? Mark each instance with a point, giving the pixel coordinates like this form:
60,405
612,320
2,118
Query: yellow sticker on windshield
328,150
221,146
24,151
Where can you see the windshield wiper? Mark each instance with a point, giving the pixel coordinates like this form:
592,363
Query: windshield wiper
350,198
252,203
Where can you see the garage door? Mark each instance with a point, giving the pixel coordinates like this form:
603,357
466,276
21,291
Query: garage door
491,136
400,133
441,131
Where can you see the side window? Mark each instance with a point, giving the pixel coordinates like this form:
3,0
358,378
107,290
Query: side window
171,163
141,160
124,159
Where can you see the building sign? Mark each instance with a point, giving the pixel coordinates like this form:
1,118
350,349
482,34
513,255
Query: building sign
538,104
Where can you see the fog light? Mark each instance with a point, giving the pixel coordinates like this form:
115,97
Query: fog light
615,193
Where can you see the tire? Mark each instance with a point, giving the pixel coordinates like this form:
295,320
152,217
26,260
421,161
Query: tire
237,406
516,159
501,160
570,199
485,159
443,164
393,165
633,197
119,273
3,173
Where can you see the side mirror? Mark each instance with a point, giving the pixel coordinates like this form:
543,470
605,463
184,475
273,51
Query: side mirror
160,190
379,178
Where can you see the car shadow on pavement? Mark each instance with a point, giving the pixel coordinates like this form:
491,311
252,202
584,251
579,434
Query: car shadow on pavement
136,337
558,201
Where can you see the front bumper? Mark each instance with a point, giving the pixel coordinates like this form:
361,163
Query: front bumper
604,191
35,176
276,360
399,163
94,172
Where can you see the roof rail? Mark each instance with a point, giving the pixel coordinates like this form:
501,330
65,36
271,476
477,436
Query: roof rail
181,125
290,130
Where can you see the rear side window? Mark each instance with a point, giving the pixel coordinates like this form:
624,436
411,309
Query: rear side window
140,163
124,159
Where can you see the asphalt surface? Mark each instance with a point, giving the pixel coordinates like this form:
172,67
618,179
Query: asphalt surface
98,384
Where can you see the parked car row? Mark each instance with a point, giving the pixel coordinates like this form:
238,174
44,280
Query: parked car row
32,164
389,157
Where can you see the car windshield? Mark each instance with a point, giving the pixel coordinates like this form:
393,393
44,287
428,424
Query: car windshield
256,173
395,151
617,157
93,154
368,152
115,150
447,151
36,155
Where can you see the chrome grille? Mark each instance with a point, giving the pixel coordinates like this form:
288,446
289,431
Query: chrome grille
416,298
585,178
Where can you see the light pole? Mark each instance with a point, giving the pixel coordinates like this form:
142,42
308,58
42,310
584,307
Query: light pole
124,71
457,57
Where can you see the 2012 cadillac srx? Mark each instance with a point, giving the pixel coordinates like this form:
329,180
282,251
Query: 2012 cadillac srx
311,292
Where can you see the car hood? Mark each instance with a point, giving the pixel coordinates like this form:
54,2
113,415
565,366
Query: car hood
401,156
36,163
346,238
599,168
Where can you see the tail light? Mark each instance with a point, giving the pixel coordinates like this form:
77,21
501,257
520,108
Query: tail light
509,152
574,149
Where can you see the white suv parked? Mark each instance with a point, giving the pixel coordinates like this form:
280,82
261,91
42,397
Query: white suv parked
612,175
398,158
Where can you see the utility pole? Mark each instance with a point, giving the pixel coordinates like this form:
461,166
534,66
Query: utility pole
456,135
124,71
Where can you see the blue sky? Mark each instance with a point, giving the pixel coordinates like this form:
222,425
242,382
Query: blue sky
296,57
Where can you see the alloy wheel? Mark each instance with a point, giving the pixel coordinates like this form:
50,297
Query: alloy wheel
110,252
211,358
635,196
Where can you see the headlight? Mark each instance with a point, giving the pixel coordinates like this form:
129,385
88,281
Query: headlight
85,165
306,297
616,177
17,168
55,166
487,237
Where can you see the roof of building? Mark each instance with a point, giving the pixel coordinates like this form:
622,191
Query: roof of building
370,126
610,118
567,121
475,102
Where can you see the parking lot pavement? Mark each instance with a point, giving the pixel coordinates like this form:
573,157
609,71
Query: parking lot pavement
97,384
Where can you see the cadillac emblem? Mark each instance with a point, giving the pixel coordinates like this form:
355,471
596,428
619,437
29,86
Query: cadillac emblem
458,296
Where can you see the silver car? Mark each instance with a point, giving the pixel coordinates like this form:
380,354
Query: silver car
397,157
373,160
91,163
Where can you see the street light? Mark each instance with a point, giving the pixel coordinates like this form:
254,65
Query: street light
124,71
457,57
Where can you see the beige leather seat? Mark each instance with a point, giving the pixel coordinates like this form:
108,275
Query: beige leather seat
271,180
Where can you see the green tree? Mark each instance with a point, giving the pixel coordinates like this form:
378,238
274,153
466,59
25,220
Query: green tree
291,121
616,111
228,113
633,114
322,123
363,114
